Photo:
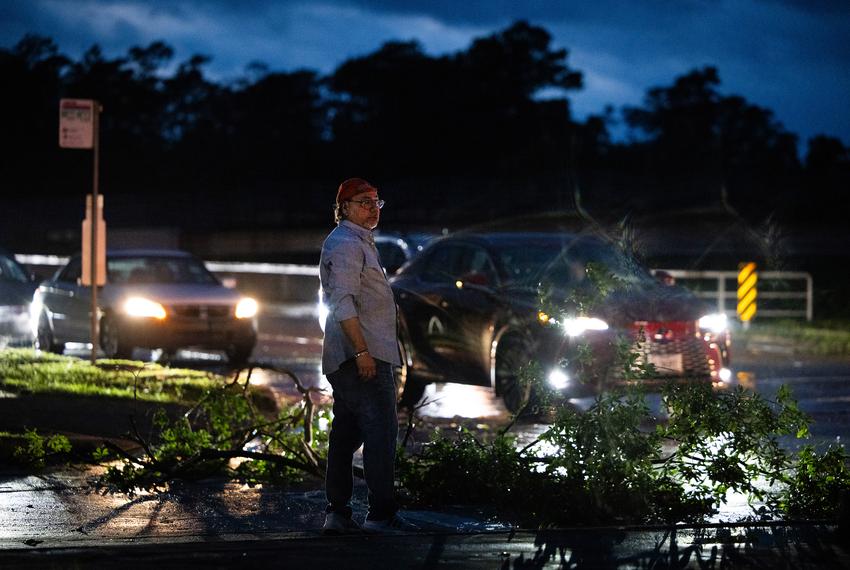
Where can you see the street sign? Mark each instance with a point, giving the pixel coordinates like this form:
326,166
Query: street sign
76,123
747,293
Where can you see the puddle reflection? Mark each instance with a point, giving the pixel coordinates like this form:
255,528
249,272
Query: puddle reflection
447,401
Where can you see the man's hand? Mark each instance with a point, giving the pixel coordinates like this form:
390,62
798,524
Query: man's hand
367,368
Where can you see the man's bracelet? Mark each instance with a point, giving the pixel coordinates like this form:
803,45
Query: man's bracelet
361,353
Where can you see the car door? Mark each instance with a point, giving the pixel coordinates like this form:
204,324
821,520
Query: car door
449,319
472,303
60,297
424,300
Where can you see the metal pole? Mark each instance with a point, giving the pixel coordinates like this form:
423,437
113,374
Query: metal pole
721,294
94,219
810,301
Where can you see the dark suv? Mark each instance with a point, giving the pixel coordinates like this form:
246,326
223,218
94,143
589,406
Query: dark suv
475,308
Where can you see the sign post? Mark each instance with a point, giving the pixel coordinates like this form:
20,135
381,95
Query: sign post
79,126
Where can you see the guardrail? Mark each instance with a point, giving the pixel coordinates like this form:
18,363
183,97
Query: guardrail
780,293
287,281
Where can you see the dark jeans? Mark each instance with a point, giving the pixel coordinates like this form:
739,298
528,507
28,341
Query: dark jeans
364,414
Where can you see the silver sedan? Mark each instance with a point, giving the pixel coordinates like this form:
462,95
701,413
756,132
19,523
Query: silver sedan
164,299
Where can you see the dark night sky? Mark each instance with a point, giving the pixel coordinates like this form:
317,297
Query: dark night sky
791,56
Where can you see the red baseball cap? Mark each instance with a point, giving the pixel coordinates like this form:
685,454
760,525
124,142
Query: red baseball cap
351,188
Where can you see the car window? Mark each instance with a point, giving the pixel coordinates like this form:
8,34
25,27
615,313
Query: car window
475,263
565,263
157,269
391,255
72,272
451,262
442,266
11,271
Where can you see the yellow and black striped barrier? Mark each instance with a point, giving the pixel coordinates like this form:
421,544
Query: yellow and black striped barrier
747,293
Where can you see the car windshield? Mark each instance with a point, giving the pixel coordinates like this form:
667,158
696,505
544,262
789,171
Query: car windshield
156,269
11,271
527,263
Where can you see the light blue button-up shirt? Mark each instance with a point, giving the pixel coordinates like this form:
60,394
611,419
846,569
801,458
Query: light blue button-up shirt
354,285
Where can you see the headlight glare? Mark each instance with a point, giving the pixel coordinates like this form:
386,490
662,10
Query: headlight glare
246,308
714,322
141,307
35,312
558,379
579,325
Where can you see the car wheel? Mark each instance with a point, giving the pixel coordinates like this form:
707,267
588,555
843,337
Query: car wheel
44,339
409,390
238,354
513,352
110,340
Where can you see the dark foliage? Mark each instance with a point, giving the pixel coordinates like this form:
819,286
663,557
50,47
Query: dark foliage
464,137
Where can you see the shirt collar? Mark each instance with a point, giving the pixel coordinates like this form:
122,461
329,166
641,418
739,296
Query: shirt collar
359,230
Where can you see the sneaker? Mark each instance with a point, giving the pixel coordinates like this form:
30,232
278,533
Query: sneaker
336,523
393,525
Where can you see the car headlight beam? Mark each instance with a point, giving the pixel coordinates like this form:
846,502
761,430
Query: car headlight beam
246,308
714,322
144,308
579,325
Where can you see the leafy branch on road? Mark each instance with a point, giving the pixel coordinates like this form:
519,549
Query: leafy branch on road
226,433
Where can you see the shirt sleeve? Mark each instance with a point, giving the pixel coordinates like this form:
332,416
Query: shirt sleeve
344,264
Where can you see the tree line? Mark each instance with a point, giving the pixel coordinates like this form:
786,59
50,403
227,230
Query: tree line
462,137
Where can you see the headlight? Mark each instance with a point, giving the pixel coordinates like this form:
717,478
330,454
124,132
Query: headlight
579,325
246,308
141,307
715,322
558,379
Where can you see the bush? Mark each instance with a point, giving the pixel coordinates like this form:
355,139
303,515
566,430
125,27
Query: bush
35,450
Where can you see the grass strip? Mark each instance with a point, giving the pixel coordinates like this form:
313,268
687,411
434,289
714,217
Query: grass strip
26,371
820,338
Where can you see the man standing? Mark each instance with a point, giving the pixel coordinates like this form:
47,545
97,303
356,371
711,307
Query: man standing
358,355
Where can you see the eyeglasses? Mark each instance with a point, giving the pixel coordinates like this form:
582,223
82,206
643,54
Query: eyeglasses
369,204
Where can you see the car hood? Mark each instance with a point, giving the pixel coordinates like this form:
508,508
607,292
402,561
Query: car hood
656,304
16,293
624,307
173,294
